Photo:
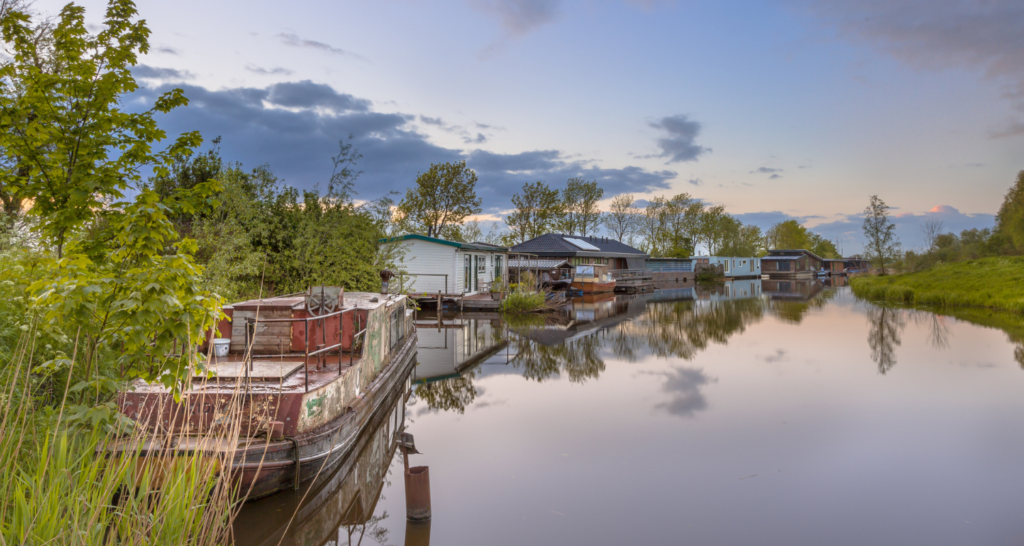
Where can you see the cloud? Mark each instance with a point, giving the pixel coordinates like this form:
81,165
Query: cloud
294,127
520,17
908,226
778,356
1010,129
165,50
432,121
980,35
765,170
695,181
297,41
683,386
774,176
147,72
268,72
680,145
478,139
306,94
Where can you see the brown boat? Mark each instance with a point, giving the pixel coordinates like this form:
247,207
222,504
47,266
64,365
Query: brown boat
593,279
300,382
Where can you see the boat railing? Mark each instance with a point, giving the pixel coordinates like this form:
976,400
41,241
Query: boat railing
632,274
322,349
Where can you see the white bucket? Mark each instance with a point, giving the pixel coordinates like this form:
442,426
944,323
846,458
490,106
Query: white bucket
221,347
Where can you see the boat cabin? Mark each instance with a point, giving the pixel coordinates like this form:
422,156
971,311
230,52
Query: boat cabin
430,266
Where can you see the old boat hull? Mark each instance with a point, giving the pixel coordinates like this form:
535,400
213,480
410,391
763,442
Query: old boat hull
594,287
271,466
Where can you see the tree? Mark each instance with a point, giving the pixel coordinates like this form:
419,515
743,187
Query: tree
741,240
714,226
821,246
113,271
880,232
651,225
538,207
931,228
469,232
443,197
788,234
580,214
73,149
621,218
1009,232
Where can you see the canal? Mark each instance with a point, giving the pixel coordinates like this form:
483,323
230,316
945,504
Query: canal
756,412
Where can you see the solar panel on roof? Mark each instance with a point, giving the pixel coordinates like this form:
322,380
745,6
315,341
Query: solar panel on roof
580,244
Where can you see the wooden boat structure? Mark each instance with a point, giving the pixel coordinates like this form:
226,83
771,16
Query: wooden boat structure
304,375
593,279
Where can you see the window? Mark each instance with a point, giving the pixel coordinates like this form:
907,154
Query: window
481,264
466,276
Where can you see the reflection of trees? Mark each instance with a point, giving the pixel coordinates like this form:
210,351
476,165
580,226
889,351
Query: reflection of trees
372,529
452,394
683,329
793,311
577,358
883,338
938,330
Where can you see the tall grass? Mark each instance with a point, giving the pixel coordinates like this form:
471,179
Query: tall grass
62,484
994,283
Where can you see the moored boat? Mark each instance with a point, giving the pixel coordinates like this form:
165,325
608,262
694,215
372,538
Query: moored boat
303,376
593,279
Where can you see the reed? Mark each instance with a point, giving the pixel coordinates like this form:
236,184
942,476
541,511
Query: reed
63,484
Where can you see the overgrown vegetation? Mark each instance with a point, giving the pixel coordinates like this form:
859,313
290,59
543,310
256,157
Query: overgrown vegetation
109,278
988,282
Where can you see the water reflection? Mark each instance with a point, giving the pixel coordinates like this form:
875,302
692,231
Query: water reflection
759,386
887,324
340,508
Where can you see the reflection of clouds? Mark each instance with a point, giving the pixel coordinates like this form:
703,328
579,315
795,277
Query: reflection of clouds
684,384
779,356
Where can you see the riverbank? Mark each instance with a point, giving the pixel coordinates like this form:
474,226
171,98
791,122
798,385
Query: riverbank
993,283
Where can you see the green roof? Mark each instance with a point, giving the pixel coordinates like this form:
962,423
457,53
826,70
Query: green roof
468,246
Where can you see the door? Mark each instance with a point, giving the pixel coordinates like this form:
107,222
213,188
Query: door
783,265
476,273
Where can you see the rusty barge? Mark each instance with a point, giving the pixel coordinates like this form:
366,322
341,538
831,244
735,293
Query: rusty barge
302,379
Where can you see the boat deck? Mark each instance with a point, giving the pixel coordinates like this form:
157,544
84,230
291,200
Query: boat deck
268,375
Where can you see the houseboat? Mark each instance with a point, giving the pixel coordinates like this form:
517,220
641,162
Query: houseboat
298,379
797,263
593,279
429,267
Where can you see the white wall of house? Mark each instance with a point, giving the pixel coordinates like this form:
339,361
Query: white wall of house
426,262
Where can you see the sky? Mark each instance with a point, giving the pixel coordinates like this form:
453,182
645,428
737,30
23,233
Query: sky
775,109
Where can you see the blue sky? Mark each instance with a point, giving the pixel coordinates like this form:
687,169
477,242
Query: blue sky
775,109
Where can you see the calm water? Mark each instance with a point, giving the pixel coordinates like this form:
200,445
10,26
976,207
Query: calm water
755,413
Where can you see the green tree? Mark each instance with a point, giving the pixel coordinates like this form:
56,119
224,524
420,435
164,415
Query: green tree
1009,231
788,234
114,273
537,208
443,197
580,215
882,244
821,246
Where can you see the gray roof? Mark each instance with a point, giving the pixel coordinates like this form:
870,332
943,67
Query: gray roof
554,244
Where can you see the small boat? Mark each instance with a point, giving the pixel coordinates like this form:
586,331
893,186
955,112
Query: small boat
593,279
301,379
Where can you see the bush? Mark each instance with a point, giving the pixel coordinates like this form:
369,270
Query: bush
522,302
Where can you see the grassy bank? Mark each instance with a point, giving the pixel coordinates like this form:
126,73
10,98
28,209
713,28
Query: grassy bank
994,283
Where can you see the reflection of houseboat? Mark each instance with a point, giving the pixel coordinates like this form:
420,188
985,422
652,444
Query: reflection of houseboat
791,290
315,371
593,279
339,503
449,346
729,290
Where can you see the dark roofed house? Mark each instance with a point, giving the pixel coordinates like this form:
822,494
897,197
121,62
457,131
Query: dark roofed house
578,250
791,263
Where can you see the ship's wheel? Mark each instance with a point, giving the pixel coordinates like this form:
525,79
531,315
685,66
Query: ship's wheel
322,300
